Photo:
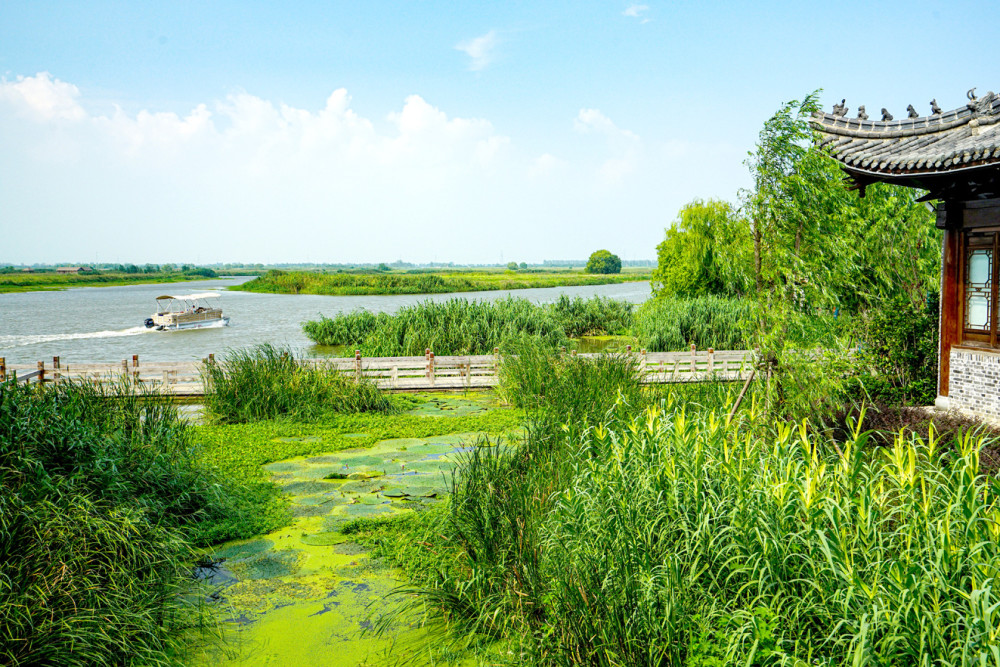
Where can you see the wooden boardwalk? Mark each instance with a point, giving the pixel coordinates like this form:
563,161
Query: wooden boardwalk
426,373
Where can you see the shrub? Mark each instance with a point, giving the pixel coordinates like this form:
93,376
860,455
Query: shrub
603,261
899,343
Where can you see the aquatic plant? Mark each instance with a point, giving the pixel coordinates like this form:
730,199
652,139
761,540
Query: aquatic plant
671,533
458,326
100,487
666,323
455,326
266,382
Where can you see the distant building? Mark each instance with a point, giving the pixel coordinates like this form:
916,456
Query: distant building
73,269
27,269
955,156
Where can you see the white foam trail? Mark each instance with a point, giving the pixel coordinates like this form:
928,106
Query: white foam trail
21,341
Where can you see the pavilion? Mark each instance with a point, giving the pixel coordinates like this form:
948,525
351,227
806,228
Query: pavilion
955,156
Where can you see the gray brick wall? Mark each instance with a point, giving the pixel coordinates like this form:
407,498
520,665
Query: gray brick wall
974,381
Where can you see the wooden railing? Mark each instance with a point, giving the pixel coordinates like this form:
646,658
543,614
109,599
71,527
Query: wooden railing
426,373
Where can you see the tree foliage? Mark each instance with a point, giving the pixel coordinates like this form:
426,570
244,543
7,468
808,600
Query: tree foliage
799,235
603,261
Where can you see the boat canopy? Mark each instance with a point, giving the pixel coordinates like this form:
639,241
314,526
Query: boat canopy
190,297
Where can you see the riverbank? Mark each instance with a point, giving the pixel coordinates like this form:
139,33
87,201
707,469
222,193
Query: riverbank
38,282
419,282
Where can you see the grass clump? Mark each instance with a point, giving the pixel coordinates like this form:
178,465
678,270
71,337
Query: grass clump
100,491
266,382
636,530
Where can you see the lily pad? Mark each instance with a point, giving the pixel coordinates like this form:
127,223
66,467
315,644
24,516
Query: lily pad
323,539
306,488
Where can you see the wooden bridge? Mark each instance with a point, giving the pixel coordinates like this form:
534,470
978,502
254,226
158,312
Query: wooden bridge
426,373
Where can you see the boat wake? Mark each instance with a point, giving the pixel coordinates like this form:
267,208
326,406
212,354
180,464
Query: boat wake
36,339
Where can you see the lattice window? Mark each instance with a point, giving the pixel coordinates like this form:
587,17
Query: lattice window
979,289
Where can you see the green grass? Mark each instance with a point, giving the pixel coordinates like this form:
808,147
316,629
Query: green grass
99,498
458,326
422,282
32,282
665,324
636,529
266,382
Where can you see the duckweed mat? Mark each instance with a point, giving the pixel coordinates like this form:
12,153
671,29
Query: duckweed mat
306,594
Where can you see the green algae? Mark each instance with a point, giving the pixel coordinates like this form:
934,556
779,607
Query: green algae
306,594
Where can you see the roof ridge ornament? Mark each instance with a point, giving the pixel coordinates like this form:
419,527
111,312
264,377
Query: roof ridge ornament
840,109
935,109
911,112
861,113
886,116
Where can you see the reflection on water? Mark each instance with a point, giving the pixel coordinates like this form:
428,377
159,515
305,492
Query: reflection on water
104,324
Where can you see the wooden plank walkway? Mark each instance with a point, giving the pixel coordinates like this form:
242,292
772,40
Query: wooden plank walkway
426,373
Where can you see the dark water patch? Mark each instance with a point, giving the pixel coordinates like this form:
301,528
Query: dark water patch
303,511
268,565
244,550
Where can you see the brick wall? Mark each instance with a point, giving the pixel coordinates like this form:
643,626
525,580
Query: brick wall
974,381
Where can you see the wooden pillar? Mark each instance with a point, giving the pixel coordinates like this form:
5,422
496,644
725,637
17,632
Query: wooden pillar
3,368
357,365
430,368
949,326
711,362
41,372
694,362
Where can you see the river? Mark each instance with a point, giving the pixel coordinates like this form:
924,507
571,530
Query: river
104,324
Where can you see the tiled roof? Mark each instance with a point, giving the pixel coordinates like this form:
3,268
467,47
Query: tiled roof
946,142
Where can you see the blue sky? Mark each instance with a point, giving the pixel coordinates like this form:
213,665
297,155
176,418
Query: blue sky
467,132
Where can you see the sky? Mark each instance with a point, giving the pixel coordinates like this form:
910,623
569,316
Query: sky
251,131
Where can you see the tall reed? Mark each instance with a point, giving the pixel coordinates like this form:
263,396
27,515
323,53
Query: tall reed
266,382
98,494
670,534
665,324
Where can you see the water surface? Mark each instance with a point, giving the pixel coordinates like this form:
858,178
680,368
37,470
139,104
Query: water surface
104,324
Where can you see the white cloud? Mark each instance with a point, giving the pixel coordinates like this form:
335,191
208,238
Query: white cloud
635,11
481,50
257,180
42,97
623,144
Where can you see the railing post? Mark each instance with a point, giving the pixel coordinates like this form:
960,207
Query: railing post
125,367
430,368
357,365
3,368
710,369
211,357
395,377
694,363
642,365
166,382
41,372
56,375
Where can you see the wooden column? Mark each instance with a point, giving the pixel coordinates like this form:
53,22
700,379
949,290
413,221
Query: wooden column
949,326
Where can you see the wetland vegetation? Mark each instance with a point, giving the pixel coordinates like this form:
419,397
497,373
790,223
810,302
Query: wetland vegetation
17,281
427,282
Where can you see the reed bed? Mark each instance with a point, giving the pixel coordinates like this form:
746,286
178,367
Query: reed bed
267,382
458,326
422,282
645,530
100,489
455,326
666,324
